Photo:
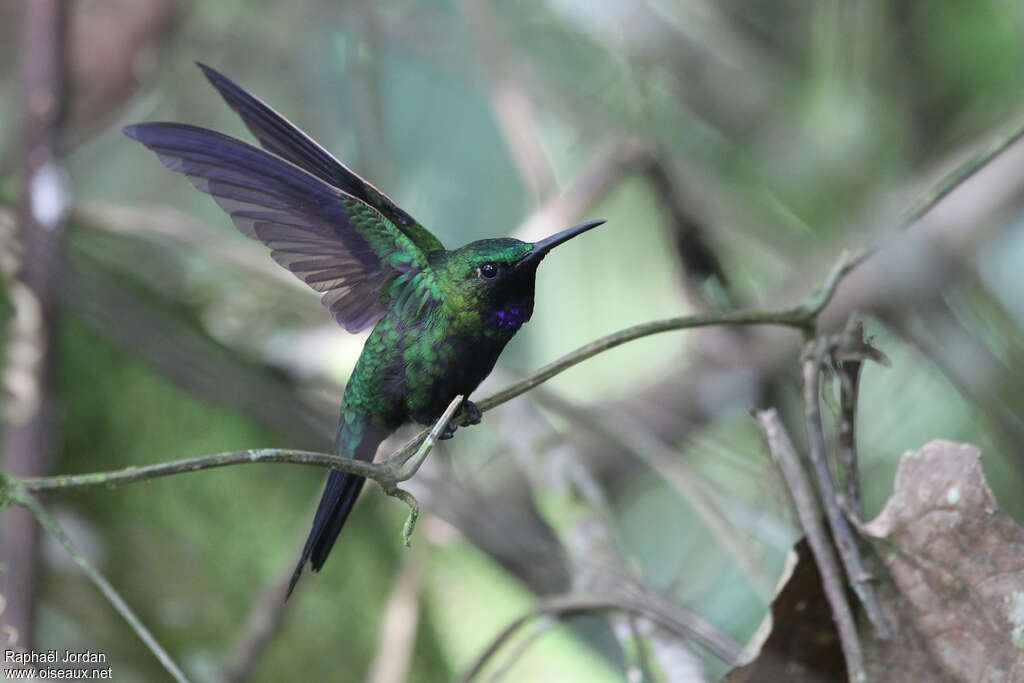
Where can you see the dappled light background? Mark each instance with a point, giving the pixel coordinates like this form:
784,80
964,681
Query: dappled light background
735,150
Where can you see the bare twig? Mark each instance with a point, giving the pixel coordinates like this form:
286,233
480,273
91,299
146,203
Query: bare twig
950,182
132,474
409,464
906,268
669,617
519,651
397,468
801,316
848,367
846,542
781,448
112,596
405,461
957,176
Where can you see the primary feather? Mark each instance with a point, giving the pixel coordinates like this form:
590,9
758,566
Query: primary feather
336,243
280,136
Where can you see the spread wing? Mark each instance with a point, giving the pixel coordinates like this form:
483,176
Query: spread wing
334,241
278,135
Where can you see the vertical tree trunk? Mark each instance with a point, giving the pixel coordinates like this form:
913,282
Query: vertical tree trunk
31,408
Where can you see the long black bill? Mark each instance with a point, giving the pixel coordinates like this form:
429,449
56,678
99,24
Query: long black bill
541,248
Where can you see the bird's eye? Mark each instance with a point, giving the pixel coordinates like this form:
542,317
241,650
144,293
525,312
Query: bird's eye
488,270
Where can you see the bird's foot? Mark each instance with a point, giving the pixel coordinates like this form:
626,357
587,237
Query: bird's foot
449,431
468,414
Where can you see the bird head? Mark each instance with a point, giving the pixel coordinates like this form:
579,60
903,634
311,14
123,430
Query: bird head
496,277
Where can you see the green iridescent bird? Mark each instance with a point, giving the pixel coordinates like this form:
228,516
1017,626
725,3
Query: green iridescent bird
441,317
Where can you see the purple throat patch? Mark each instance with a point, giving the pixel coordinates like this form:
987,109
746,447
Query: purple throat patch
510,318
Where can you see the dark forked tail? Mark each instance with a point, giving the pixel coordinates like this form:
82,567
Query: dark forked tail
339,497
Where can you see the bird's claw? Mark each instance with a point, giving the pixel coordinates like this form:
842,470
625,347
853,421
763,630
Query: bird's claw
468,414
448,432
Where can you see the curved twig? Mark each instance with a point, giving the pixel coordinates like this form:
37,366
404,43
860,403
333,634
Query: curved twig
674,619
781,448
842,534
394,469
958,175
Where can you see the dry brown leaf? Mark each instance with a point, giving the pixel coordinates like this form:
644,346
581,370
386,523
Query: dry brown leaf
958,560
957,606
797,642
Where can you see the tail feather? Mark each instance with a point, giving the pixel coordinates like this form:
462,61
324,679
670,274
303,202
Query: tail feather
348,487
336,503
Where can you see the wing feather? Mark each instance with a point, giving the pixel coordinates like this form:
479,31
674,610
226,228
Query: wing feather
333,241
280,136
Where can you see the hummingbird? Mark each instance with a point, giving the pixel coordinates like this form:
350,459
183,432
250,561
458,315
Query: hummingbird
440,317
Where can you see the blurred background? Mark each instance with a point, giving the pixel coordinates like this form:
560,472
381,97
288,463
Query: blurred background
735,149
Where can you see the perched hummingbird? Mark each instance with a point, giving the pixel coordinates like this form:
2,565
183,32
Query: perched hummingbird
441,317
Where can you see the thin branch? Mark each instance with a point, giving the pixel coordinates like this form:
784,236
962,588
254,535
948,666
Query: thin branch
673,619
132,474
958,176
388,474
781,448
50,524
399,467
410,465
949,182
848,356
392,470
519,651
800,316
846,432
845,541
